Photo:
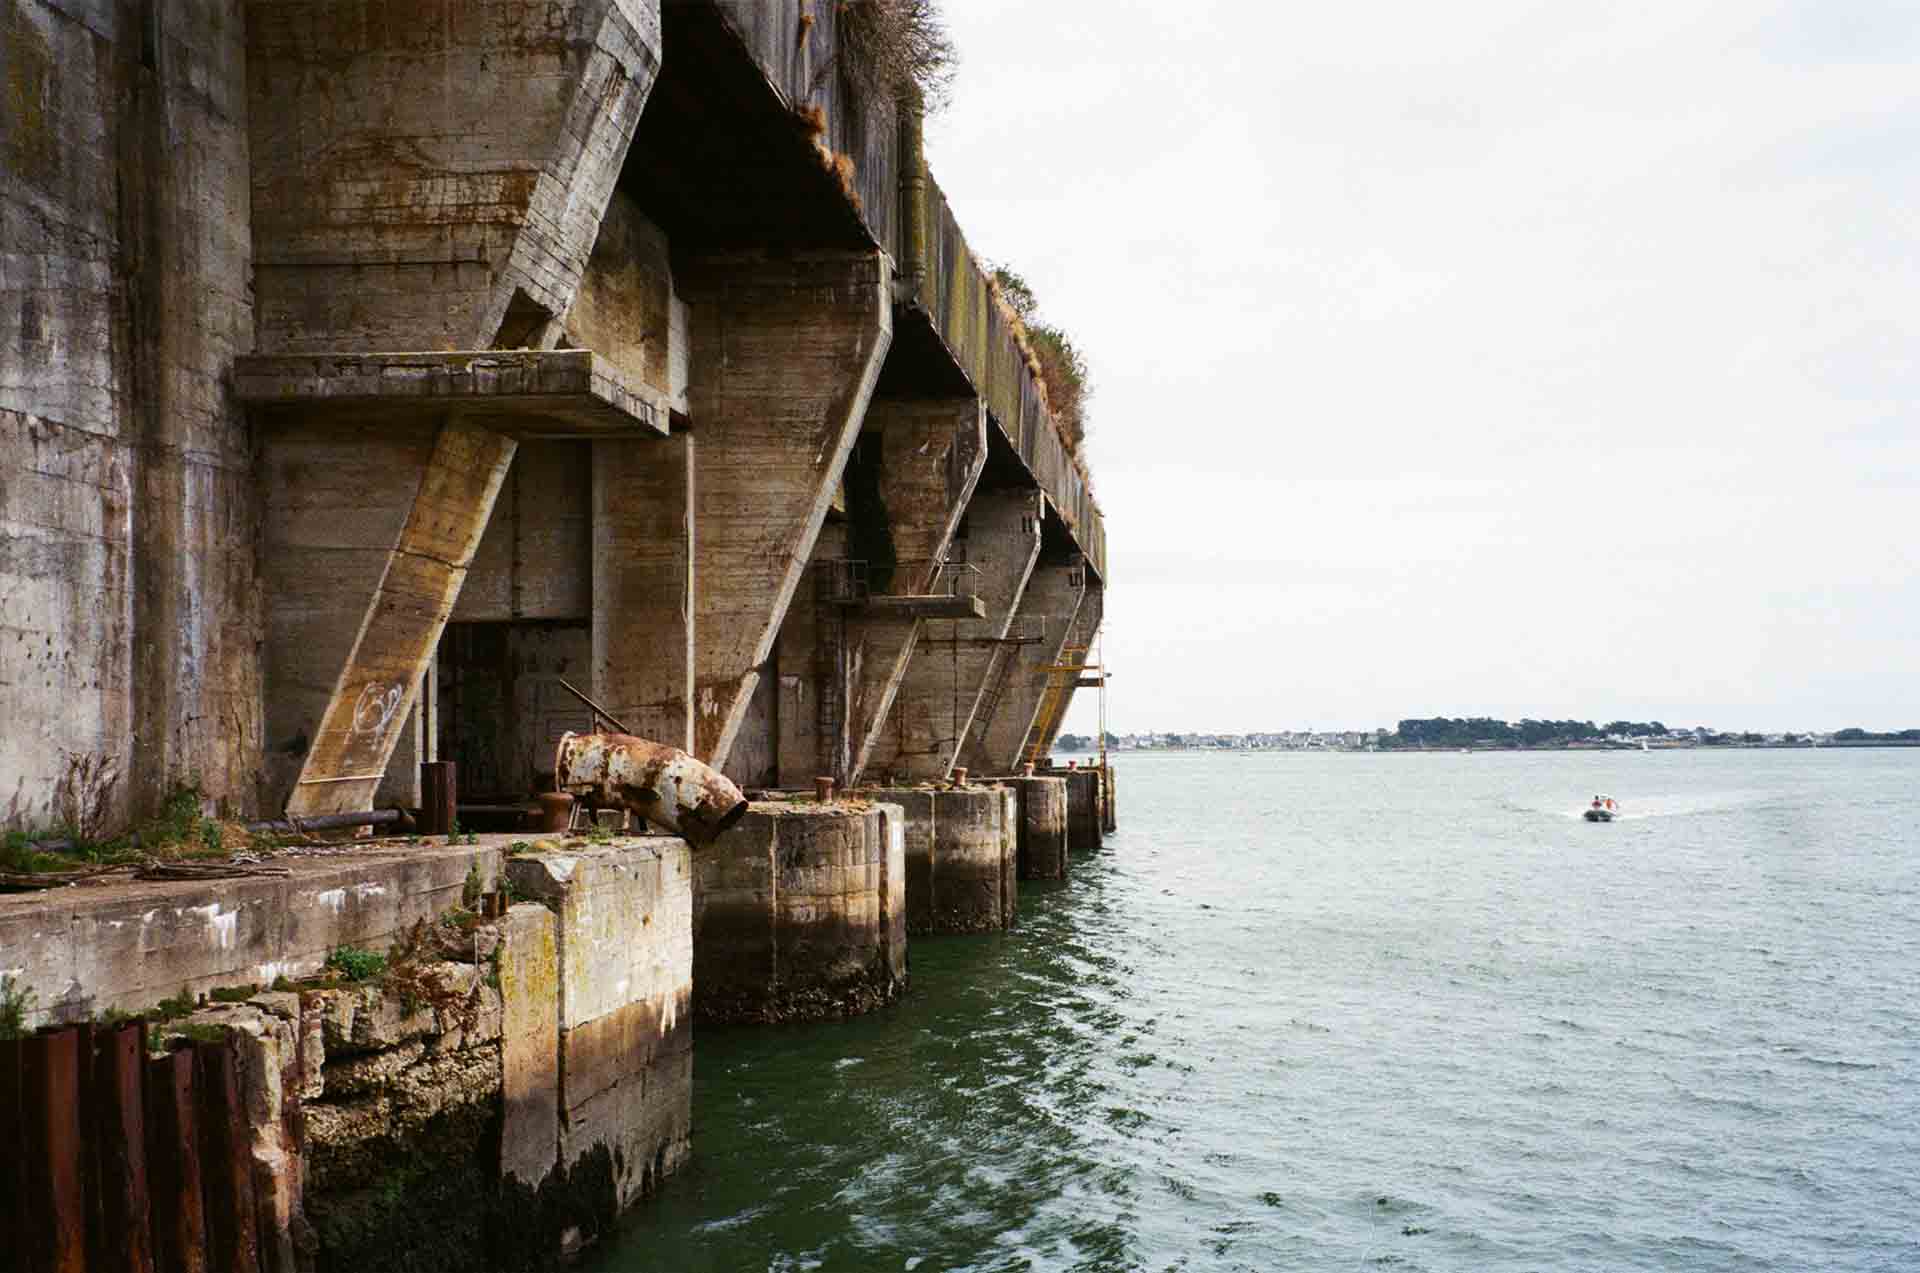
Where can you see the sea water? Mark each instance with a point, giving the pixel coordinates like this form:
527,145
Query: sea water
1351,1011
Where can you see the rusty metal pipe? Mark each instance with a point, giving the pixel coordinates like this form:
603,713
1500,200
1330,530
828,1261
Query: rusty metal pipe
670,789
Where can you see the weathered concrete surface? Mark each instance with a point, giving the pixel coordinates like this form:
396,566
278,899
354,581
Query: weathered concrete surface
1044,854
942,285
625,934
128,945
954,663
400,1114
129,613
1001,725
1084,803
519,392
433,176
400,629
799,912
930,458
529,1045
786,354
643,564
962,856
625,309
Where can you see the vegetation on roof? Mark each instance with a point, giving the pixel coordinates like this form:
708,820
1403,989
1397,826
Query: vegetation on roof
1059,365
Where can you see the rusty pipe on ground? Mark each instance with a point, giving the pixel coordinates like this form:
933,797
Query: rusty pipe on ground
664,785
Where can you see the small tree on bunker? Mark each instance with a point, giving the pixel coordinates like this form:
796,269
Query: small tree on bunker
896,50
1062,367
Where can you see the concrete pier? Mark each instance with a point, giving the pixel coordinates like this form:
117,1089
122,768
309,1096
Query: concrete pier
376,379
800,911
962,856
554,1041
1043,850
1084,804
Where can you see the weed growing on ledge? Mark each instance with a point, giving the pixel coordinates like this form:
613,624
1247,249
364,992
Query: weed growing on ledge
15,1005
473,886
356,964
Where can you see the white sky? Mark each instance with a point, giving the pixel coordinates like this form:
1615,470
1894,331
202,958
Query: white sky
1497,357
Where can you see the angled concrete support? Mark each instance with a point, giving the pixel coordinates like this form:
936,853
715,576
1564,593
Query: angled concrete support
952,661
1064,678
786,354
399,628
844,649
931,456
1019,681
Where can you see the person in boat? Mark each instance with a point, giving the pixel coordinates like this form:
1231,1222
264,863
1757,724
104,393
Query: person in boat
1599,803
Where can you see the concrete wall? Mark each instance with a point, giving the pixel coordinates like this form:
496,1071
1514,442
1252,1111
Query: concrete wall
799,911
129,617
625,938
129,945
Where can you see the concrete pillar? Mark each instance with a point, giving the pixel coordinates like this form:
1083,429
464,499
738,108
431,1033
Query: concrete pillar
952,660
643,563
1083,808
799,913
961,847
624,927
1042,840
1019,681
1110,802
810,738
399,628
785,355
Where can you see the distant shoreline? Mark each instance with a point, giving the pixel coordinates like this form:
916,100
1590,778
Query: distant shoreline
1443,751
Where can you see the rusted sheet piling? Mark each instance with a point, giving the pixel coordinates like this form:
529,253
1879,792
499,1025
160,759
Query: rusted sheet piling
121,1239
54,1204
173,1165
226,1165
12,1154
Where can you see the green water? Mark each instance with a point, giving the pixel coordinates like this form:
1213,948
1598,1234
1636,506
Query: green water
1311,1012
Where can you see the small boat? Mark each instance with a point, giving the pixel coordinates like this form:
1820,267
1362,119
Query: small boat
1603,809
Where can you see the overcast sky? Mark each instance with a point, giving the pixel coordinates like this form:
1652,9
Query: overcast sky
1499,357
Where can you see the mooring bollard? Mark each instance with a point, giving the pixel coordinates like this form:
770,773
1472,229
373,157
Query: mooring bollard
960,776
823,790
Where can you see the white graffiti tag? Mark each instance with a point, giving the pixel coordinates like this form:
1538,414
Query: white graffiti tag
376,708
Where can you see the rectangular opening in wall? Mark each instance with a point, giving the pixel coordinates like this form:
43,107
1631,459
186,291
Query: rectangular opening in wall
503,709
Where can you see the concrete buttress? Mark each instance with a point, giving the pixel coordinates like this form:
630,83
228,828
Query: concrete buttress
785,356
954,662
1019,681
931,457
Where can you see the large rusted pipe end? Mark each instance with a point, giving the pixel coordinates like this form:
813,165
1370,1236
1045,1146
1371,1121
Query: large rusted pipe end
670,789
